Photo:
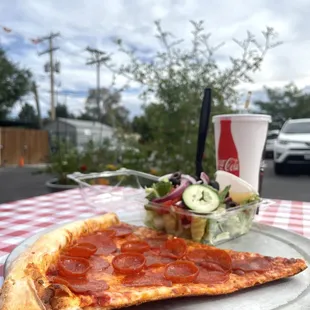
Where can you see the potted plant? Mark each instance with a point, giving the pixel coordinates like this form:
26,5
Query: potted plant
63,162
67,159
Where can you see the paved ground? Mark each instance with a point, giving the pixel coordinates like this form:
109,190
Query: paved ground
18,183
295,186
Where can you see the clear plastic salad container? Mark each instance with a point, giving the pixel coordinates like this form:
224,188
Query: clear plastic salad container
213,228
109,190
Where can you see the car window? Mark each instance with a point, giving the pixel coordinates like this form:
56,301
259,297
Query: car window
296,128
272,136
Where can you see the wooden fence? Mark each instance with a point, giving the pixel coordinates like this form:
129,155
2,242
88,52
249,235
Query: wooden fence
30,145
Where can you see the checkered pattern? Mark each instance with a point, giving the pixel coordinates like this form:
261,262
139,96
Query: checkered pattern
23,218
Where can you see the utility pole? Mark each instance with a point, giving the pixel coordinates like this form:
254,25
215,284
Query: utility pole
36,98
97,57
51,67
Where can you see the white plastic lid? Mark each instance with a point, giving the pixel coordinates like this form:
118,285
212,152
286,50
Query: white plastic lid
243,117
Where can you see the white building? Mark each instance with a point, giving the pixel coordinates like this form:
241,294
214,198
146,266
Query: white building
79,132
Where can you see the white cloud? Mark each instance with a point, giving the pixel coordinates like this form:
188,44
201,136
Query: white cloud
95,22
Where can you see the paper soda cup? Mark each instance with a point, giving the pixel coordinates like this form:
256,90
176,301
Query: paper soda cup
239,144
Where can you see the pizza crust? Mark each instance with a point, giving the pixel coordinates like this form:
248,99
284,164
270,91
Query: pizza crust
19,291
27,287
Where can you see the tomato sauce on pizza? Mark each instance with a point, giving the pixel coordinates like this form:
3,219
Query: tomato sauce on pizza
91,264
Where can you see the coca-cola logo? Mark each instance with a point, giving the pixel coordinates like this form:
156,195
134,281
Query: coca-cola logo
229,165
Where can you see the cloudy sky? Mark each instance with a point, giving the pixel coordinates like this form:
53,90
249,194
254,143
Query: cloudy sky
94,22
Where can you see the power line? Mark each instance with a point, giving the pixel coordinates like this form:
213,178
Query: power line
51,67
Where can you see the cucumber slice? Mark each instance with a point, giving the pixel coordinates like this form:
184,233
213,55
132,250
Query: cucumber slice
201,198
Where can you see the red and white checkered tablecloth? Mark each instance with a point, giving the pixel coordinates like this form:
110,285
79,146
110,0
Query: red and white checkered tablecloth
24,218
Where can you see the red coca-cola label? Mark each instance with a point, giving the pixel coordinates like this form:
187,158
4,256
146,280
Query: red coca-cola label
228,159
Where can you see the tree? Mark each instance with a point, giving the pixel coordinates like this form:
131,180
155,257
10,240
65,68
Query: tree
285,103
14,84
109,111
172,86
61,110
28,114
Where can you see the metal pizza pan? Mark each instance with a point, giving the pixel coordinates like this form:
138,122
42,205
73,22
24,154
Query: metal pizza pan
287,294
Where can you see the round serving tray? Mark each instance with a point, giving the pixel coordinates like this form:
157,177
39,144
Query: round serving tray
292,293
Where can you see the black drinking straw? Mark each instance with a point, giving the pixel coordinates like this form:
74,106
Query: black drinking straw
203,129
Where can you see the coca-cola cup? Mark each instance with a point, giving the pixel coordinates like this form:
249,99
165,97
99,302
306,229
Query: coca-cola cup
239,144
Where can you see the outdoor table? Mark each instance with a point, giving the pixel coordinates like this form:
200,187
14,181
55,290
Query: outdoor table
24,218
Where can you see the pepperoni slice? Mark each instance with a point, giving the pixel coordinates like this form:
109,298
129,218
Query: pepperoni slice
146,279
107,233
215,259
181,272
98,264
156,242
73,266
258,264
197,255
128,263
135,246
206,276
81,250
213,267
121,230
106,248
154,260
97,239
174,248
84,286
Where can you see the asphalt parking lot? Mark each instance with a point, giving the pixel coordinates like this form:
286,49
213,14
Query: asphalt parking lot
295,186
19,183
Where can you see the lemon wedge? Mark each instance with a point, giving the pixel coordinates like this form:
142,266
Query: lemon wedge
240,190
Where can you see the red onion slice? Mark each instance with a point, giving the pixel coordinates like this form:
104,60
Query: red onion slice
174,194
188,178
204,177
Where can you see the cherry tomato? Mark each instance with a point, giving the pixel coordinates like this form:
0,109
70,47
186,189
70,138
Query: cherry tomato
128,263
181,272
135,246
73,266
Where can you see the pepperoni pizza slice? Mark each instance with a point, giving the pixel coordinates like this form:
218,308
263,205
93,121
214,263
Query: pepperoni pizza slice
101,263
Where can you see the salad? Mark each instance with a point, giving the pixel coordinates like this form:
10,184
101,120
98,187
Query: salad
201,209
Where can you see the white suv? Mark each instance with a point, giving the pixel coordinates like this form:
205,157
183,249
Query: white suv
293,144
